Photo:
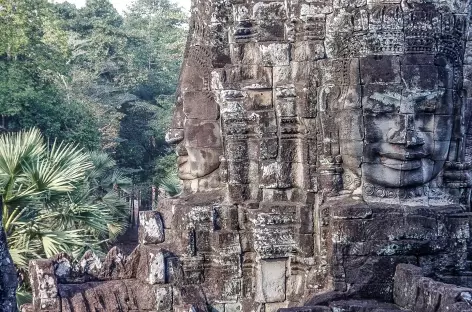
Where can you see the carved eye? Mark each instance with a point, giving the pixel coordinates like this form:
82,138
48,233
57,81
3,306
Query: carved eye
382,103
425,122
426,104
380,107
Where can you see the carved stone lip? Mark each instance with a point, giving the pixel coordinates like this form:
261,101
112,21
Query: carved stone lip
182,160
404,165
404,155
404,160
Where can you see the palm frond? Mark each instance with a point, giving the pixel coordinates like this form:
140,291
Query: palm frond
23,297
101,163
55,242
19,257
18,147
57,199
171,183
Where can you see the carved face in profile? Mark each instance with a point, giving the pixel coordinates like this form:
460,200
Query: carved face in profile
195,128
407,105
198,145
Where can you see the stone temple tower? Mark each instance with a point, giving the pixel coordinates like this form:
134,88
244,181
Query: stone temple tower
325,151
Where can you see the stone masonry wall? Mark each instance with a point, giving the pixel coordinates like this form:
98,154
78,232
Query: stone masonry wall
320,144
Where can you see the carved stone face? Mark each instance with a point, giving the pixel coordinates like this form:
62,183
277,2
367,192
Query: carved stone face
407,119
195,128
198,146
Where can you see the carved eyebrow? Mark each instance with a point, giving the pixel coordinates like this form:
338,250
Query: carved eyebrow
424,96
387,98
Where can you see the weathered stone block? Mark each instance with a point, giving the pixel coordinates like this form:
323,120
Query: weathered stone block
164,298
348,230
200,105
217,307
271,282
418,293
233,307
275,54
390,72
202,133
406,279
259,99
275,306
190,295
45,287
308,51
306,245
117,266
152,266
295,287
151,228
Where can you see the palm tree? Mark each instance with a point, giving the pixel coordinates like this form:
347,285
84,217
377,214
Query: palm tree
102,184
56,198
31,175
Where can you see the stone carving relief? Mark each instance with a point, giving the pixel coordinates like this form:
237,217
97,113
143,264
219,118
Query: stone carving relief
320,143
270,117
324,101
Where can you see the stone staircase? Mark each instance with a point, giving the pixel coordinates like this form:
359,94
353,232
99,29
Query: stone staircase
412,292
349,306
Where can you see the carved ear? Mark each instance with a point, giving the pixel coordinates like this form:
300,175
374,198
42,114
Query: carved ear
460,128
328,94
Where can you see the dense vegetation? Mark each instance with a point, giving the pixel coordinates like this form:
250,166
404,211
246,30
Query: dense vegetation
85,99
93,77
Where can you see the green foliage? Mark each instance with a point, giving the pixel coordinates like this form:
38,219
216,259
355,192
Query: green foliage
33,63
125,69
32,176
57,199
102,183
92,76
170,184
94,80
165,166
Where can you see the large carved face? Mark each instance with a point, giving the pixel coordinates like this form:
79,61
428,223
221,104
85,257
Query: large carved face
198,146
408,128
195,128
407,105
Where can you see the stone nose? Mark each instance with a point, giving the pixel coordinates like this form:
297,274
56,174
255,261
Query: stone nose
174,136
405,133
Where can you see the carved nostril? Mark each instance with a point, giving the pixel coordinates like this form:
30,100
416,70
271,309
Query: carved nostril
413,139
174,136
396,136
181,150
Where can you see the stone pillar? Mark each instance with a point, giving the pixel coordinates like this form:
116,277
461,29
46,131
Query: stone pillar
45,287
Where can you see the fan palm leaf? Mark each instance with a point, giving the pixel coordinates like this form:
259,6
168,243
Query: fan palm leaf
57,198
170,183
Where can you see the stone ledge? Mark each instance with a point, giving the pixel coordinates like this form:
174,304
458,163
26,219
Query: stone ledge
422,294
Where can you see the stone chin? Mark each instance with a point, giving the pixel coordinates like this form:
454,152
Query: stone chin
186,173
198,163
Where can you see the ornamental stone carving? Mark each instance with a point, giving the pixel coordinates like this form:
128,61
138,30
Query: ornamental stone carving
321,143
364,97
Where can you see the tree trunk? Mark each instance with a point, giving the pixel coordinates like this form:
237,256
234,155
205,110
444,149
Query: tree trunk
8,277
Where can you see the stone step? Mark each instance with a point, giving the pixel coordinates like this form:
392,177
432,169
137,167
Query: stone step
464,279
348,306
307,309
